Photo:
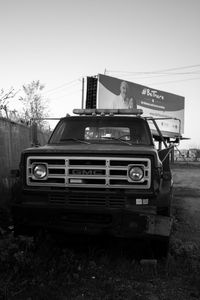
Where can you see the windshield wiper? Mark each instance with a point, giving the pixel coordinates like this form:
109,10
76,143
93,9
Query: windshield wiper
117,139
76,140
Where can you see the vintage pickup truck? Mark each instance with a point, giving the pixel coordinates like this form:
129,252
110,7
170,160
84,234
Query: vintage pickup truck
100,173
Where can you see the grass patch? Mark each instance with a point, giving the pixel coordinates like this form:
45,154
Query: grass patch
44,270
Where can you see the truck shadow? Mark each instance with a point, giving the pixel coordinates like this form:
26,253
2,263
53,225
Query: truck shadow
96,247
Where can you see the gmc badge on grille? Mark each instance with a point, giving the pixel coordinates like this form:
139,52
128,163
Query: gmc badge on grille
87,172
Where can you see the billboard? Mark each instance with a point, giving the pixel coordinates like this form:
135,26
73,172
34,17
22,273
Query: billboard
118,93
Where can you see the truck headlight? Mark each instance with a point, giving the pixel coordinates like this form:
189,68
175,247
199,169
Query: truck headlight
40,171
136,173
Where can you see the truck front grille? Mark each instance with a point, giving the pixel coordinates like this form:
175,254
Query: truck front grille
88,172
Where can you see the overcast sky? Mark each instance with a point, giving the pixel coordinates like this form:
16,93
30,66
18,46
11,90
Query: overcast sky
60,41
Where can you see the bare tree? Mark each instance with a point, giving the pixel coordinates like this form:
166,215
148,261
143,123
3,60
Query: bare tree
5,97
34,104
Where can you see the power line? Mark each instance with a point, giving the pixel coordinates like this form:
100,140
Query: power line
162,75
155,71
64,89
165,82
165,73
67,84
68,94
179,68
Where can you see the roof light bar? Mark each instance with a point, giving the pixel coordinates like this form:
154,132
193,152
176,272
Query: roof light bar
94,111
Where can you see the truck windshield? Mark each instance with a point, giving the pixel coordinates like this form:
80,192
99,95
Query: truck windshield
102,129
107,132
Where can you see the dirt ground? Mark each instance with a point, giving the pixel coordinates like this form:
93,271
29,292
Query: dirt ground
186,204
29,272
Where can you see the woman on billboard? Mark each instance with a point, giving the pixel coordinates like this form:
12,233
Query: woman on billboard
123,101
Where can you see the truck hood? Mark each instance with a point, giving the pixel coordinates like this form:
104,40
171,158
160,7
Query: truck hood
93,149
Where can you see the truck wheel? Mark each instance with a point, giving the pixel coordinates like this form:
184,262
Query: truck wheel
164,211
161,247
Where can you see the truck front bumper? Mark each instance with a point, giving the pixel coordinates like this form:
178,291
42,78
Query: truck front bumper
30,217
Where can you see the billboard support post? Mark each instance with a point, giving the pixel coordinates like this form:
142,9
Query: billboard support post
82,103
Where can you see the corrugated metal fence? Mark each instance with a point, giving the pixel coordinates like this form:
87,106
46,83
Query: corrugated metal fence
14,138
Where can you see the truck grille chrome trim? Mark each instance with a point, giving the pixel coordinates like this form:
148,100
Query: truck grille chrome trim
89,172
